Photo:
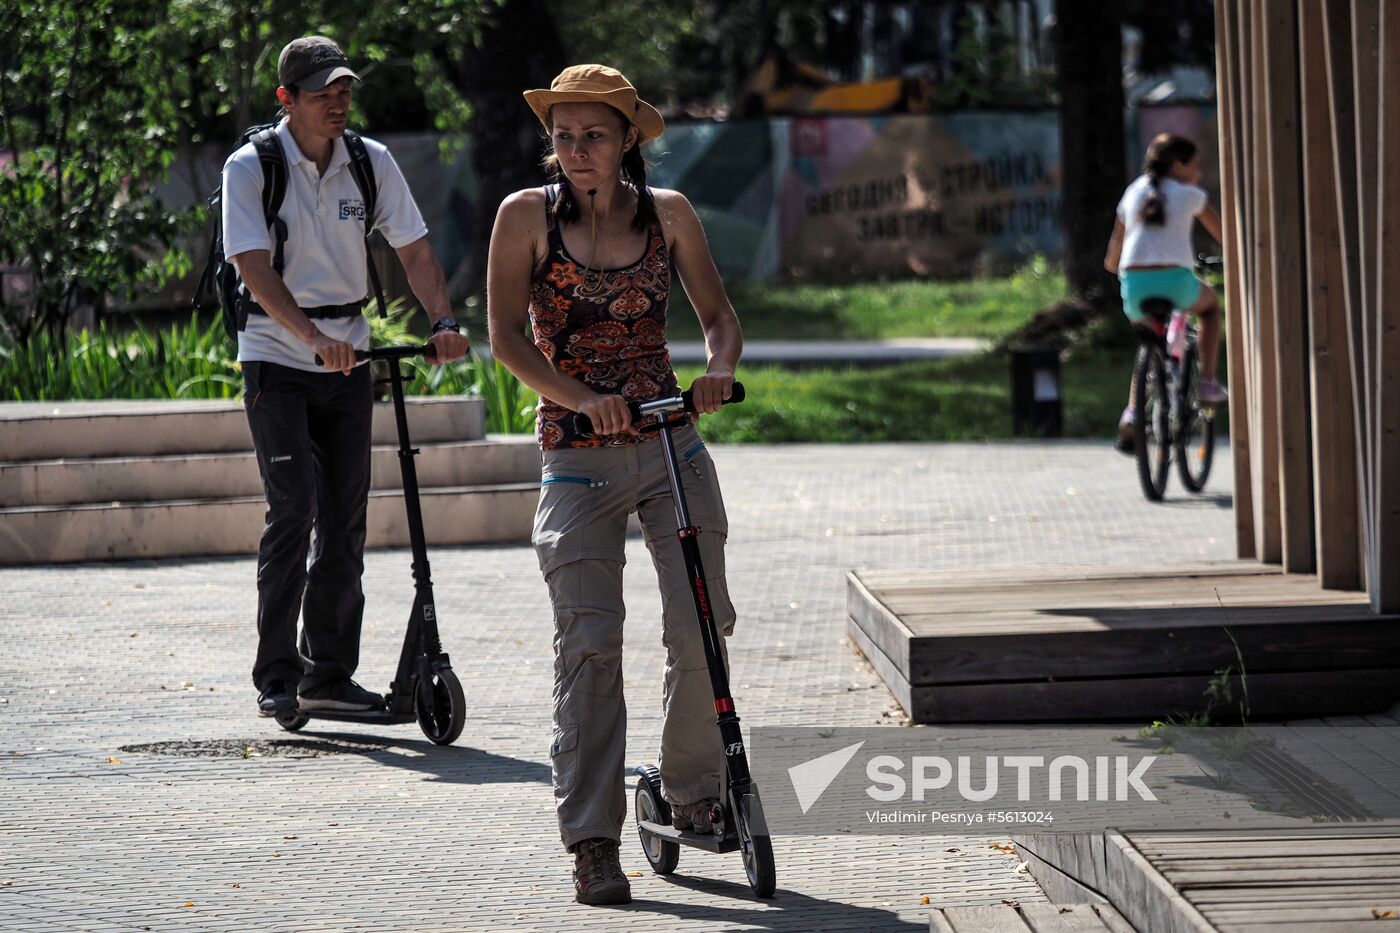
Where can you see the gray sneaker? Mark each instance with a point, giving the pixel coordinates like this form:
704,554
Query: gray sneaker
598,876
697,817
343,695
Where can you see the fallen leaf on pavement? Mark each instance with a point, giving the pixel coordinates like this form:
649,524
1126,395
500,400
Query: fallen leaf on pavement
114,761
924,899
634,874
1382,914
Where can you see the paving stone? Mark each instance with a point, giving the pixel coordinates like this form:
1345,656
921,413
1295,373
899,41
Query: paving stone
393,833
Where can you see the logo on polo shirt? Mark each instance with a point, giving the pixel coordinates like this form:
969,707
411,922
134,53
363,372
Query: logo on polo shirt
352,209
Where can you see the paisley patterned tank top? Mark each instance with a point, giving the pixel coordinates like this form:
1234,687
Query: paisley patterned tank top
605,327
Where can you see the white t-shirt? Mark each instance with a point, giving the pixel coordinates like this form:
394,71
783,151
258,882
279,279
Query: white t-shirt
1170,243
324,259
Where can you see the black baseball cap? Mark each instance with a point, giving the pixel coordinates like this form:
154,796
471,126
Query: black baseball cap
312,62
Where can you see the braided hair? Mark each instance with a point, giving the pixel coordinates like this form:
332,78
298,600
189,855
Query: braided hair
634,175
1165,151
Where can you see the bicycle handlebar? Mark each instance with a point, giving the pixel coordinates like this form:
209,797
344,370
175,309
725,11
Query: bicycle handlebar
683,402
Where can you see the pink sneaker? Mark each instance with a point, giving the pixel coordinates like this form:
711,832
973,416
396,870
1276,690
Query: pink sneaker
1210,392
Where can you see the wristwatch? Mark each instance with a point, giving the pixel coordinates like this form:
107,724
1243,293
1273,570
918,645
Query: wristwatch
446,323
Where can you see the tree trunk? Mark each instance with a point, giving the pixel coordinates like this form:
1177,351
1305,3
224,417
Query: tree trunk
519,49
1088,40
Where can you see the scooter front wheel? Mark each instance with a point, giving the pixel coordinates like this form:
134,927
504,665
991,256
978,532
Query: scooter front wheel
756,846
293,721
441,706
651,807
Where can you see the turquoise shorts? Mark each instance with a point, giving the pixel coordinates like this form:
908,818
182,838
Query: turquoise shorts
1178,285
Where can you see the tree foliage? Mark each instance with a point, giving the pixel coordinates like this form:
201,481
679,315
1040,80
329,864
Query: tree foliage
86,131
98,99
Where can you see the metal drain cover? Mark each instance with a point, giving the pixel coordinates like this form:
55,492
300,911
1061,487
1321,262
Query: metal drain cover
257,748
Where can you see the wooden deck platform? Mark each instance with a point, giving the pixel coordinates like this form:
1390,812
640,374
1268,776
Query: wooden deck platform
1325,881
1040,644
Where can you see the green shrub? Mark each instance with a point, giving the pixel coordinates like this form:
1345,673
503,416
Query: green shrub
196,360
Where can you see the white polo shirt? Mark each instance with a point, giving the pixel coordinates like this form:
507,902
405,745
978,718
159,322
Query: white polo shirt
324,259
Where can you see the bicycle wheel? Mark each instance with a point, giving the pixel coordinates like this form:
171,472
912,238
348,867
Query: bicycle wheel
1152,426
1195,434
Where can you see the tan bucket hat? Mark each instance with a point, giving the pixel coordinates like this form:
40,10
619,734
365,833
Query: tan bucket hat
597,84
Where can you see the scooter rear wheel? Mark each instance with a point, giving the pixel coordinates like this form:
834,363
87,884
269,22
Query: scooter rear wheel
441,706
756,846
293,721
651,807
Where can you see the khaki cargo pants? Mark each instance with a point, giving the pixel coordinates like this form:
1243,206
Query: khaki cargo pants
580,529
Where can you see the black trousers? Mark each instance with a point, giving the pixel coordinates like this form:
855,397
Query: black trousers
311,432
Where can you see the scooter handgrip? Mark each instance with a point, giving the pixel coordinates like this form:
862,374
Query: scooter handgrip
736,395
360,357
427,351
583,425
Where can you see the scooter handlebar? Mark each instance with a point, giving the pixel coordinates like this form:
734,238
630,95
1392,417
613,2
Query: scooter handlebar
427,351
584,425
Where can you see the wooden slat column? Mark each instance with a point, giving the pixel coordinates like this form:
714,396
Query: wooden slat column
1337,30
1365,70
1231,197
1259,322
1333,416
1285,238
1385,550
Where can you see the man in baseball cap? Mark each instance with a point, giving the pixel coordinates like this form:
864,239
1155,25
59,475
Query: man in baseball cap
312,62
310,405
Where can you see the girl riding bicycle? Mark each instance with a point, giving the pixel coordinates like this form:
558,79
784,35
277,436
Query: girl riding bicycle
1151,254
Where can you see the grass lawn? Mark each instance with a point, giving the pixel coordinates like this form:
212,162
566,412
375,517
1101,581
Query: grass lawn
988,307
967,398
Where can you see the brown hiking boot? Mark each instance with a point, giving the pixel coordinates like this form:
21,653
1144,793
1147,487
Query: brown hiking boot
696,817
598,877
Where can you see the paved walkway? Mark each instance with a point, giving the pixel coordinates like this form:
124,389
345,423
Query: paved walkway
377,829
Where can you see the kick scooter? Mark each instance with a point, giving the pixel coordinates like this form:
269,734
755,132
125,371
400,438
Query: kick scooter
738,819
424,687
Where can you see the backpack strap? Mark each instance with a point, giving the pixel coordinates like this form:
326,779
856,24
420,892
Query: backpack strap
362,171
274,168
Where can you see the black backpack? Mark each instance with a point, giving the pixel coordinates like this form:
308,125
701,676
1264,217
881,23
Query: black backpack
222,275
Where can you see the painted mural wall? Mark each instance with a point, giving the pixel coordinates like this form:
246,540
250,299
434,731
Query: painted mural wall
822,198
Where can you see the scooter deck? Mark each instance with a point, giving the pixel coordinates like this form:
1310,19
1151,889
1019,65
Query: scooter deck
707,841
360,715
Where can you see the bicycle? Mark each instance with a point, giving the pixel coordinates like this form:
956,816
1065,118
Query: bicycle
1170,422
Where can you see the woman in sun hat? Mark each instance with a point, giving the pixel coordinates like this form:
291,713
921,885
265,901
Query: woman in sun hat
587,263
